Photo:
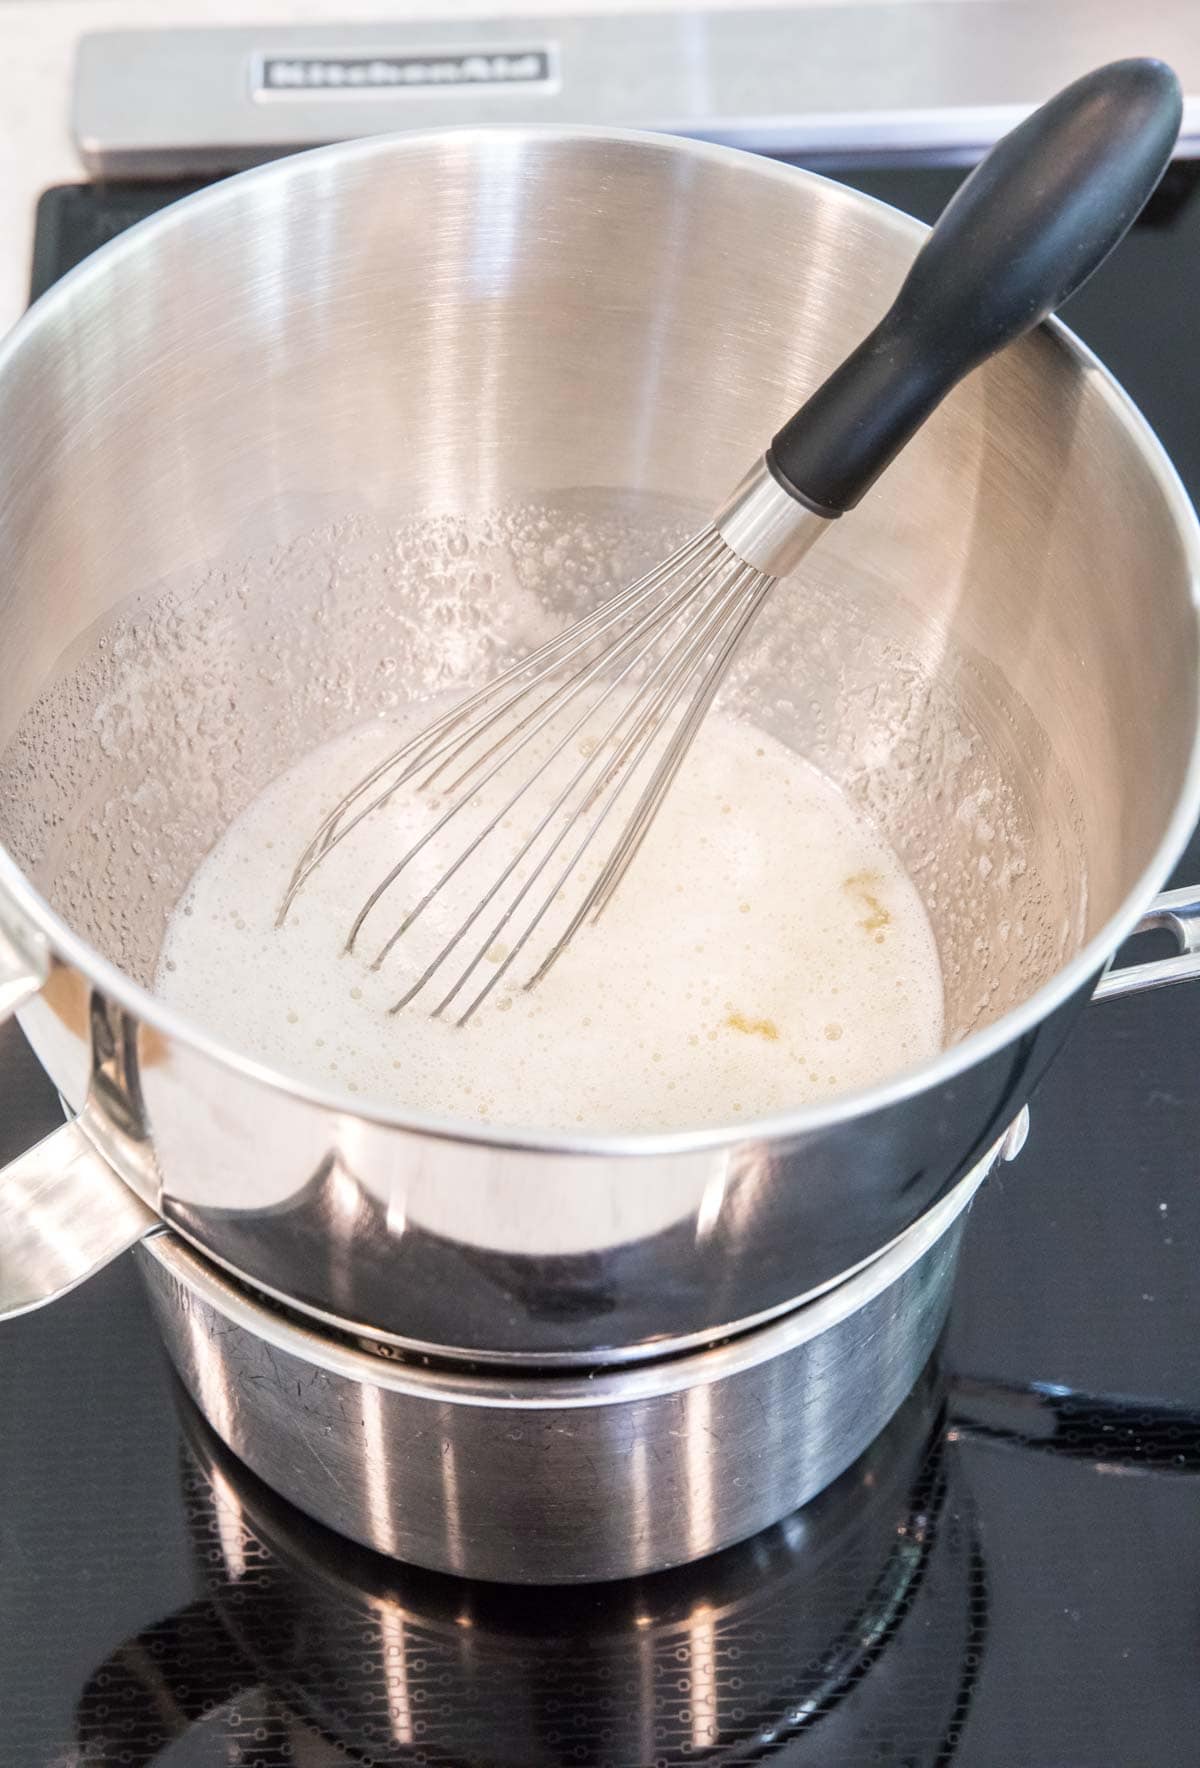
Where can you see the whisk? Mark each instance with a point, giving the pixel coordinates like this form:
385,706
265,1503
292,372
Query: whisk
584,736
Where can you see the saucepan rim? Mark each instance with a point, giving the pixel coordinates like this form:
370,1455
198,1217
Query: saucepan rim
519,1387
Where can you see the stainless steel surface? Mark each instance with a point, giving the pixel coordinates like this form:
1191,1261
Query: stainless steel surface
235,448
567,1478
918,76
1178,913
63,1215
765,526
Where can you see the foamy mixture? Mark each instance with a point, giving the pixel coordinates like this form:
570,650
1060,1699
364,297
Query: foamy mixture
766,950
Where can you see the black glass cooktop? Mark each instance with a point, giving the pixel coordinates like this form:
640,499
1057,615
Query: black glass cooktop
1010,1578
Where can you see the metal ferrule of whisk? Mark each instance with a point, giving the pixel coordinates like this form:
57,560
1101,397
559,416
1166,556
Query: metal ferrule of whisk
767,525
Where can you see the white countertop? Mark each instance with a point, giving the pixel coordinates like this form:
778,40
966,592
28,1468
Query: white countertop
39,38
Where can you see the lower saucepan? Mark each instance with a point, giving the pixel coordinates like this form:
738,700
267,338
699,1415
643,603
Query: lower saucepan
564,1476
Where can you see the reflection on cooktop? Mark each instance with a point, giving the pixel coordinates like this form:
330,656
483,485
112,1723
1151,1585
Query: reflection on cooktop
782,1644
758,1647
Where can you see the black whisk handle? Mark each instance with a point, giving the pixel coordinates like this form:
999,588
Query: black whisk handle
1028,227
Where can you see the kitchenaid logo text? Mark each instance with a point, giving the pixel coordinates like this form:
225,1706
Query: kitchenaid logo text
279,75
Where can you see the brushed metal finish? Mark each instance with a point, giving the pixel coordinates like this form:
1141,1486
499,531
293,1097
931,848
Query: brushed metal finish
765,527
912,77
560,1478
64,1214
271,351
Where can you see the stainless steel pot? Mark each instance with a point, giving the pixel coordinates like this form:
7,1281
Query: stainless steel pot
249,498
562,1476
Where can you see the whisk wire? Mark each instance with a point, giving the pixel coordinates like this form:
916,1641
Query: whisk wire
692,586
643,734
646,666
596,759
575,683
651,794
332,829
601,892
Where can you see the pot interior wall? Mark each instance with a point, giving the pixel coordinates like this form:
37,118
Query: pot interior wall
365,424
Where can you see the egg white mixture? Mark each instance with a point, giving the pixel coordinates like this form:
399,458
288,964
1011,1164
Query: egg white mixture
765,950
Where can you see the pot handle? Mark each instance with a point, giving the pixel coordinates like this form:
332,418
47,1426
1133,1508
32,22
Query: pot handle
64,1214
1179,912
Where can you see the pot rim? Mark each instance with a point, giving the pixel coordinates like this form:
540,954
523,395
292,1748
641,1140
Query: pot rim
516,1388
1083,968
